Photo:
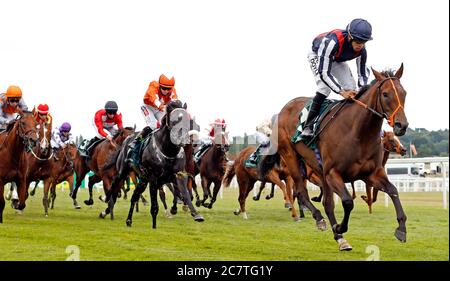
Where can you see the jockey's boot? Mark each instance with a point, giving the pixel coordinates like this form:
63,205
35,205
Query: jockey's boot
86,151
198,155
133,148
313,113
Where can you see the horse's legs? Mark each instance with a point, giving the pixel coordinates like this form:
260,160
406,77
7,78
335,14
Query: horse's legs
154,204
217,185
353,191
111,194
205,186
92,180
198,202
2,201
162,197
287,192
70,179
335,182
139,188
22,190
33,190
245,186
261,188
52,195
300,187
182,186
368,198
380,181
45,197
272,192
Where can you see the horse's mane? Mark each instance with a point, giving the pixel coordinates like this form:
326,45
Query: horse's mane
116,135
363,89
173,105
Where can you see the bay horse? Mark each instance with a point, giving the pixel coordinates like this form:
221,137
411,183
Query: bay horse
60,168
163,161
99,157
19,138
212,167
351,126
247,177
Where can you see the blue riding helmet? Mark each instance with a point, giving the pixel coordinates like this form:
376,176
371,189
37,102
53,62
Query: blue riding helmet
360,29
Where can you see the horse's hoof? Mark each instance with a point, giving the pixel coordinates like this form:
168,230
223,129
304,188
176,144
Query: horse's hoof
185,208
167,214
76,206
31,193
89,202
129,222
102,215
297,219
344,245
400,235
173,211
315,199
199,218
210,205
255,198
268,197
198,203
321,225
237,212
288,206
46,215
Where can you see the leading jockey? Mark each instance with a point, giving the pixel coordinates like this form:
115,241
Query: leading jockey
218,126
327,60
158,95
62,136
107,122
10,103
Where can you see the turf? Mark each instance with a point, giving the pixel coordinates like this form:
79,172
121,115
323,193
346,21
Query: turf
268,234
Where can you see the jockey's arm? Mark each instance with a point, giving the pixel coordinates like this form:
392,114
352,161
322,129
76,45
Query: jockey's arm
23,105
328,48
363,71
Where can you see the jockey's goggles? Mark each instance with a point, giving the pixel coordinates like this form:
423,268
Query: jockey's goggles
13,100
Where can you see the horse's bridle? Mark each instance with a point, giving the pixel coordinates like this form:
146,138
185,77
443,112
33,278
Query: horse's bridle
399,103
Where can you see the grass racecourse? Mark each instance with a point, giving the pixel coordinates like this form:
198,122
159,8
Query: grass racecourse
268,234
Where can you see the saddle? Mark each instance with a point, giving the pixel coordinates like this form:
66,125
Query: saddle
325,108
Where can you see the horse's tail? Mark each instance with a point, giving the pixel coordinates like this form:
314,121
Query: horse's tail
229,173
267,163
111,160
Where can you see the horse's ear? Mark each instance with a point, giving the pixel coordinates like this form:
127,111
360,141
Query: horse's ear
399,72
185,105
377,74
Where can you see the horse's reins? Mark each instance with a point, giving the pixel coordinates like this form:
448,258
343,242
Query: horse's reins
383,114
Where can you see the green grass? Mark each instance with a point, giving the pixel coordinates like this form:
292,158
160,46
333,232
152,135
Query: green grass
268,234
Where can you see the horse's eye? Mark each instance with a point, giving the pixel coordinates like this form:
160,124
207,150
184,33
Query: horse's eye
385,94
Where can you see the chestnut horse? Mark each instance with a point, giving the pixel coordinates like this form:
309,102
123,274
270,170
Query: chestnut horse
212,167
20,136
247,177
99,156
351,126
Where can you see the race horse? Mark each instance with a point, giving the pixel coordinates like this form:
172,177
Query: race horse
212,168
16,141
348,140
56,170
248,176
99,157
163,161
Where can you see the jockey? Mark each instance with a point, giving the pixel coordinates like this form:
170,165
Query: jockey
158,95
10,103
217,127
62,136
262,134
107,122
41,115
327,59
